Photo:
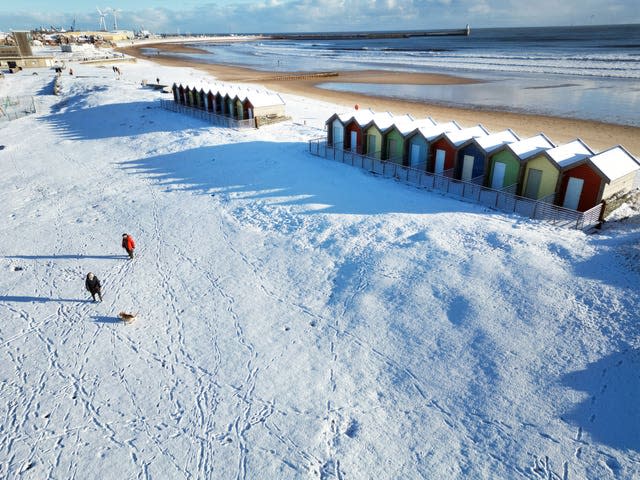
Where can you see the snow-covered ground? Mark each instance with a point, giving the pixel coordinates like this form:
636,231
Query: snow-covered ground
298,318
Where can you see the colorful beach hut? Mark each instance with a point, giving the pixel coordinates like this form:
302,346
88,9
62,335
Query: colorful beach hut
374,132
335,129
176,92
419,140
394,139
542,172
587,182
354,130
444,149
474,153
505,165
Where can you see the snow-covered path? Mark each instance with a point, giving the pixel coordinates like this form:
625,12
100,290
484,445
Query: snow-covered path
299,318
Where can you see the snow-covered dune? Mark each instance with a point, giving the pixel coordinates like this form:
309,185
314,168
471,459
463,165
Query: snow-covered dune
298,318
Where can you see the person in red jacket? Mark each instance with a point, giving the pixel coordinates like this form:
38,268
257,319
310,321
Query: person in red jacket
128,244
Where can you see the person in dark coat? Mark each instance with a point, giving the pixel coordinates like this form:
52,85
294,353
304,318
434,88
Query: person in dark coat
93,285
128,244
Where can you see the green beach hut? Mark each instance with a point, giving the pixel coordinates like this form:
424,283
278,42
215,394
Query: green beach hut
541,176
505,165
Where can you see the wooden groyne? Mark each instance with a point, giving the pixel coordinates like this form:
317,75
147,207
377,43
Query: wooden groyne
302,76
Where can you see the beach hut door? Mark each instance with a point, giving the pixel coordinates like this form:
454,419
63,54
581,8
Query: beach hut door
497,180
250,112
415,154
467,167
338,136
572,196
354,141
533,183
440,161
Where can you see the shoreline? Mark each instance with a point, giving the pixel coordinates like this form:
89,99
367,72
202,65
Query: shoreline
598,135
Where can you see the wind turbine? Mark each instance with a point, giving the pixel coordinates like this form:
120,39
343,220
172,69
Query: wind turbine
115,12
103,24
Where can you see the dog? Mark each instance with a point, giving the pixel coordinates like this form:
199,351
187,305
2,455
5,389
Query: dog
127,317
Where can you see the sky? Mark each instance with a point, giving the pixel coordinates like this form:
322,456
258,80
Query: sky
250,16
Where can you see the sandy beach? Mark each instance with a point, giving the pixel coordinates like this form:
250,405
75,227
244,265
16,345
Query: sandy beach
598,135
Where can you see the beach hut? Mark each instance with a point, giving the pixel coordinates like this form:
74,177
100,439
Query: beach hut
505,165
182,95
202,99
353,130
542,172
335,128
211,101
443,151
219,103
473,154
373,134
588,181
176,93
265,104
239,107
394,139
419,140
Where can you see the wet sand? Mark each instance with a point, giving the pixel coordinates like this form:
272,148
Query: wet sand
597,135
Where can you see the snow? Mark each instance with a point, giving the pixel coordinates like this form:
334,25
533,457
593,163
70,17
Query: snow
492,142
528,147
458,137
569,153
615,163
298,318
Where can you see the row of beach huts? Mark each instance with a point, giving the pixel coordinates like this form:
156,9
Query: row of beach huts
232,101
571,175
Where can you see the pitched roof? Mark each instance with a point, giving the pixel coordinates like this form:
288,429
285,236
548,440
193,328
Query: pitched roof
569,153
432,131
615,162
458,137
531,146
491,142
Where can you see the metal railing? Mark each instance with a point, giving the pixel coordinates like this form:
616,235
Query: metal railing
503,200
213,118
12,108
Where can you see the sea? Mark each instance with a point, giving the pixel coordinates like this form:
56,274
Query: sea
584,72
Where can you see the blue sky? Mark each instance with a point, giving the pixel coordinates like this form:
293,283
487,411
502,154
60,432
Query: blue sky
242,16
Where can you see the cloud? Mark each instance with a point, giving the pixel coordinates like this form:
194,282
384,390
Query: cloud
339,15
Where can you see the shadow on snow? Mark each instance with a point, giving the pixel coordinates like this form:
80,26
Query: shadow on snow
74,120
67,257
284,173
611,413
27,299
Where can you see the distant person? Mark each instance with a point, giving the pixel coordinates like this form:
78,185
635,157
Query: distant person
128,244
71,71
92,284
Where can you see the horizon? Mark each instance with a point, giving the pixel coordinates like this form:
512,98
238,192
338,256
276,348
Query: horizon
298,16
328,32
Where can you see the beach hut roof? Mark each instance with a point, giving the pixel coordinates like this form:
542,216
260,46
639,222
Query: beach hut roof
458,137
362,117
531,146
615,162
405,127
492,142
432,131
569,153
383,120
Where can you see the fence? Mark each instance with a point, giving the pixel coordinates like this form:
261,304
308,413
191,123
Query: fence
220,120
12,108
504,200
